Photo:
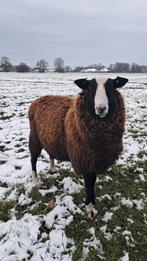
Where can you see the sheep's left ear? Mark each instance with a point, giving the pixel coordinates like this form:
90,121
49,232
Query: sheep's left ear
82,83
119,82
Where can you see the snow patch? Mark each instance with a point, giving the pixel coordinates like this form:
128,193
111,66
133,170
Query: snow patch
127,202
107,216
62,214
17,237
125,257
70,186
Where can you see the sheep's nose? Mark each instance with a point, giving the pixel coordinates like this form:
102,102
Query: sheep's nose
102,109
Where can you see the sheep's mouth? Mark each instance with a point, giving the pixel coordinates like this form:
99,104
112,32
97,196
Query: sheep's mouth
100,116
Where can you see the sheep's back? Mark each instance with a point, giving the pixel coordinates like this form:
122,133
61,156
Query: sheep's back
47,116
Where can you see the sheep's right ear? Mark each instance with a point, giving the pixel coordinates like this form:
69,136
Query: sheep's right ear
119,82
82,83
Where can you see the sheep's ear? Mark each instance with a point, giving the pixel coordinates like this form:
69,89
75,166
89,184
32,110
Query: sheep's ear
82,83
119,82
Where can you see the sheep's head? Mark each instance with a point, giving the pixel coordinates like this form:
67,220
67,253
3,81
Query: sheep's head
101,92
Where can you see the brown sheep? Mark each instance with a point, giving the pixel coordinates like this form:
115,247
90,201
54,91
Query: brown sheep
86,130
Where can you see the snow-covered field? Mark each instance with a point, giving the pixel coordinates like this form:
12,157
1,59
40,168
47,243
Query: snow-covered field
48,223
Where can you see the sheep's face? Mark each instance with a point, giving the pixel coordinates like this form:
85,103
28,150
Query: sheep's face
101,92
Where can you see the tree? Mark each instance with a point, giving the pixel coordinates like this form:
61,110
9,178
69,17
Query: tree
99,66
143,68
135,68
42,65
22,67
78,68
111,68
5,64
121,67
59,65
68,69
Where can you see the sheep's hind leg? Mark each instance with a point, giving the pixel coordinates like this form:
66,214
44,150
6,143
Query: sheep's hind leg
34,171
51,166
35,148
90,179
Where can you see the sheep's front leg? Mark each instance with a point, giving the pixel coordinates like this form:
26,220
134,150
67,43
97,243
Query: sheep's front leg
90,179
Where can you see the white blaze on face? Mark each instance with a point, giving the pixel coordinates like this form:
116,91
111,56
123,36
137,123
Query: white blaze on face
101,100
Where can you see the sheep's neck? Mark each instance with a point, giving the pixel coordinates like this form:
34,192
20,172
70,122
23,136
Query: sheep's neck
88,123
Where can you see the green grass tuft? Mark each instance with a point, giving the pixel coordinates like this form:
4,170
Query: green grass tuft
5,210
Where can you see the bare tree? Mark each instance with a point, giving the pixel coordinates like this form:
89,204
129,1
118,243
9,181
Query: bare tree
59,64
121,67
78,69
5,64
135,68
42,65
68,69
22,67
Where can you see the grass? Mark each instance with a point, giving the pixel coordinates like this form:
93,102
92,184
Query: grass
3,116
5,210
126,231
117,183
123,182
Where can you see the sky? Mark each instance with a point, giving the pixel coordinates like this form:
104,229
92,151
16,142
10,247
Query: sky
82,32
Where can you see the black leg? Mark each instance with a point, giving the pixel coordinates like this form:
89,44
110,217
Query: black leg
35,150
90,179
33,162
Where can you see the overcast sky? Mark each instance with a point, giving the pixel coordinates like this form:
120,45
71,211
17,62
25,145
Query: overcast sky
80,31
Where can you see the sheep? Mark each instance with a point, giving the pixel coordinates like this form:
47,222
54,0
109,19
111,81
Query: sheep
86,130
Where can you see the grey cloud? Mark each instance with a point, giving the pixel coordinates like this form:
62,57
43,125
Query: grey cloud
82,31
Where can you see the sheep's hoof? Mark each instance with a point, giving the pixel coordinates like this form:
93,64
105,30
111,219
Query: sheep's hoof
90,211
51,167
52,170
35,178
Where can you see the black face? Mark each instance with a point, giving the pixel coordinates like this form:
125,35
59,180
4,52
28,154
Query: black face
111,94
101,94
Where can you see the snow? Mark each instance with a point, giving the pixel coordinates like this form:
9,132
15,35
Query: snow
57,243
127,202
107,235
17,237
107,216
47,191
141,176
128,237
61,214
107,178
24,199
92,242
70,186
139,203
3,192
125,257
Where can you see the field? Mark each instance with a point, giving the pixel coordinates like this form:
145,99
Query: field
48,222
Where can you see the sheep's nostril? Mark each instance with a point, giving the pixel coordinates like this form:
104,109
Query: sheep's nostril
102,109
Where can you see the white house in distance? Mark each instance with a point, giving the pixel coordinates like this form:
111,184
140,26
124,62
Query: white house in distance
87,70
95,70
104,70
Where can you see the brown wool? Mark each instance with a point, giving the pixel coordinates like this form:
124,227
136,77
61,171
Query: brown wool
65,129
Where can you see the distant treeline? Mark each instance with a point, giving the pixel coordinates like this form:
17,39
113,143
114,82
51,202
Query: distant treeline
126,68
113,68
59,66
